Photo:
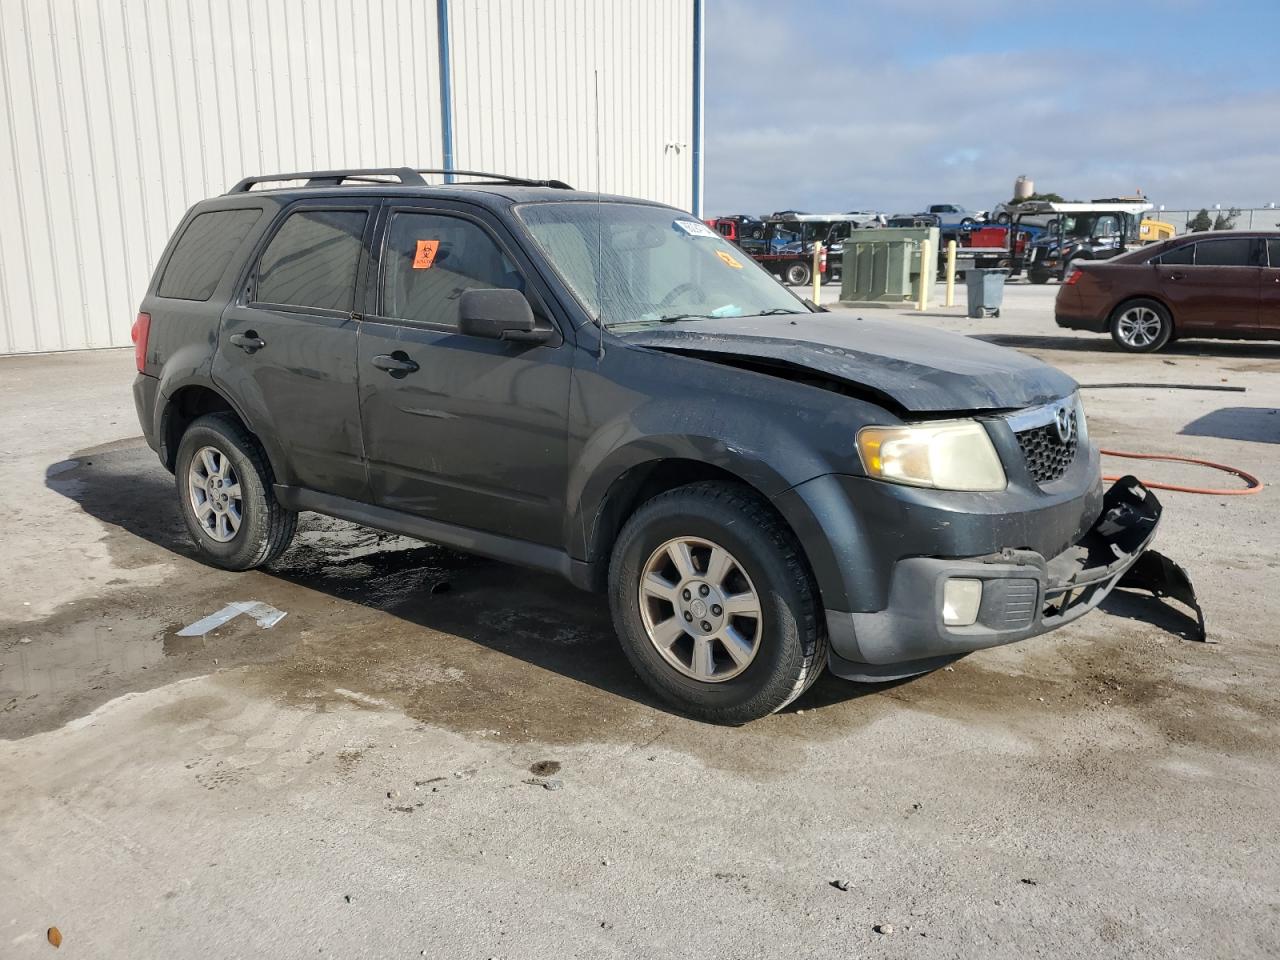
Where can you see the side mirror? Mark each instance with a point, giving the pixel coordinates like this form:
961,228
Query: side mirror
498,315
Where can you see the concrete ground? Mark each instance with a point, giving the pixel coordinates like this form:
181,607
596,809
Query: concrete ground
396,769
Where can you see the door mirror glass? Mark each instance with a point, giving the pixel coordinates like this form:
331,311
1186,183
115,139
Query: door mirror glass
498,315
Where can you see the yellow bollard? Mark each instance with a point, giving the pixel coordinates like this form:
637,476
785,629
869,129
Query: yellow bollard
927,271
817,274
951,273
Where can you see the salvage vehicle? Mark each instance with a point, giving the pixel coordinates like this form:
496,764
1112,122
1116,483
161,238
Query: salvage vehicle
788,242
741,229
1220,285
952,216
1078,232
607,389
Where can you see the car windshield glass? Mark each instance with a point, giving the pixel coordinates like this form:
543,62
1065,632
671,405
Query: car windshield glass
629,263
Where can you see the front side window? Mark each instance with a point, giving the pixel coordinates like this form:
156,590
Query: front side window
430,259
1236,252
1179,256
1273,251
203,251
630,263
312,260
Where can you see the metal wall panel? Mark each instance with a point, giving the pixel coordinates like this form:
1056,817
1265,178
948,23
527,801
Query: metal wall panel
524,92
119,114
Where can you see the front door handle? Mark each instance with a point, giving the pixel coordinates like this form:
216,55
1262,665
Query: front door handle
1176,276
249,341
395,363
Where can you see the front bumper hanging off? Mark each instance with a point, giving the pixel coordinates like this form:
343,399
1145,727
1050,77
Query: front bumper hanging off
1023,594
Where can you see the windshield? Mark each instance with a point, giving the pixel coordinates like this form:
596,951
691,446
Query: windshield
629,263
1099,226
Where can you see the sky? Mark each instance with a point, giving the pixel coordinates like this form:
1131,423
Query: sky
832,106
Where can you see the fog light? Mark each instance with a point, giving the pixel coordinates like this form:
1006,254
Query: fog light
960,602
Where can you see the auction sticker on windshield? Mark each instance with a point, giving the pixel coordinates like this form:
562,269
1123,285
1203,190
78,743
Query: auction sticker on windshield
729,259
696,228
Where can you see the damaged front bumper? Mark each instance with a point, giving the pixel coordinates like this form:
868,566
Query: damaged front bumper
1022,594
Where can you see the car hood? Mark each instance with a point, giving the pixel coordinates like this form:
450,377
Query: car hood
921,370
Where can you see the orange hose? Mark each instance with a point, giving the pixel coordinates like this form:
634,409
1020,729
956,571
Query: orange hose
1255,485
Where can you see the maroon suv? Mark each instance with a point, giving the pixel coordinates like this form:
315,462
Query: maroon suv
1224,285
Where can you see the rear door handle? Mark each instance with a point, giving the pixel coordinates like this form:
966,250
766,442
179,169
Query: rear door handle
395,363
1176,276
248,342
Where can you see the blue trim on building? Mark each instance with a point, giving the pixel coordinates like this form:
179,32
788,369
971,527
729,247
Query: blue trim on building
698,64
446,86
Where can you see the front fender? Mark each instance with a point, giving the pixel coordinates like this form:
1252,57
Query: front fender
619,448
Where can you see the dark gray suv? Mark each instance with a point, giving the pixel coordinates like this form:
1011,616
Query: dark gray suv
606,388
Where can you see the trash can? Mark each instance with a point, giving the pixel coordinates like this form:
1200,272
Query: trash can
986,290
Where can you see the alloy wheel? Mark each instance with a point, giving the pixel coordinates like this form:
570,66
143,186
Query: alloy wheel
215,494
700,609
1139,327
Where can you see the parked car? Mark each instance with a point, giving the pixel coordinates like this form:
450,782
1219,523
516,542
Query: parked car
913,220
607,389
1223,285
952,216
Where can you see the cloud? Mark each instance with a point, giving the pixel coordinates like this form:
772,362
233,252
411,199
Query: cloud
852,114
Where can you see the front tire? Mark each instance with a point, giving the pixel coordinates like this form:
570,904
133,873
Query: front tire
1141,326
225,493
714,604
798,274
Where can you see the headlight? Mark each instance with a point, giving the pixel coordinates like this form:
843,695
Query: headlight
949,455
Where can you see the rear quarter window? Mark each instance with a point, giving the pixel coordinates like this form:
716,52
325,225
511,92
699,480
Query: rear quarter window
203,251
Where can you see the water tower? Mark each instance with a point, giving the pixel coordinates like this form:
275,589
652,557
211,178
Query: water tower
1023,187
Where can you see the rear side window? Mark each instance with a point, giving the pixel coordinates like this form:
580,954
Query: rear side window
203,251
431,259
1182,255
1237,252
312,260
1273,249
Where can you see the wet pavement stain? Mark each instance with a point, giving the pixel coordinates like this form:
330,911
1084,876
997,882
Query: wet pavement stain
518,656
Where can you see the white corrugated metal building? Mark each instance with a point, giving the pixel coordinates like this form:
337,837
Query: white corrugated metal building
119,114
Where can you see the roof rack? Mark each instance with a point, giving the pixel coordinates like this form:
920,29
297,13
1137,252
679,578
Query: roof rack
407,176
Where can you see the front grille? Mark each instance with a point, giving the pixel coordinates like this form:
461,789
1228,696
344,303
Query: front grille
1048,458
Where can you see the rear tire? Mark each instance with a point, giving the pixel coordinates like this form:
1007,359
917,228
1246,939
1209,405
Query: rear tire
798,274
1141,326
262,527
1038,277
786,637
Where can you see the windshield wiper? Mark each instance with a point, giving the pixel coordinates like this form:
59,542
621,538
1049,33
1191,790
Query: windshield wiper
776,311
672,318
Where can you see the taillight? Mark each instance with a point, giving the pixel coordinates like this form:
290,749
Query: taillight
1074,277
141,330
822,260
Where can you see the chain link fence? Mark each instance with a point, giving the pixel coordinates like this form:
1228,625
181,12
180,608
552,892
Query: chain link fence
1256,218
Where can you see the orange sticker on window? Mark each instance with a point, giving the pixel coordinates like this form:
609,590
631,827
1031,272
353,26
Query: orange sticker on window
425,255
728,258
